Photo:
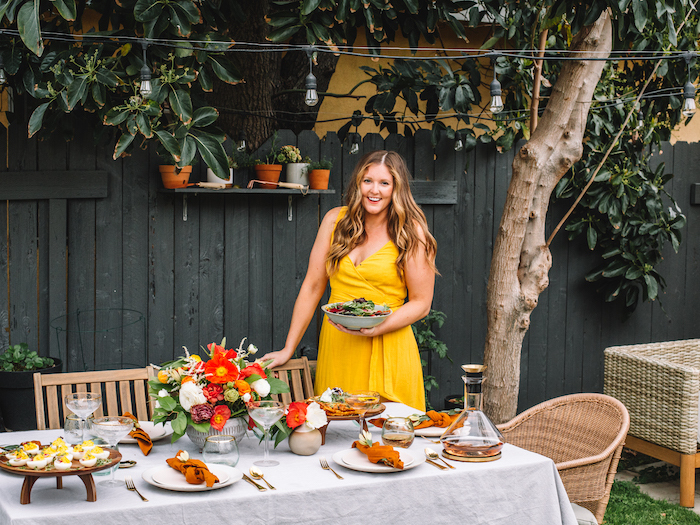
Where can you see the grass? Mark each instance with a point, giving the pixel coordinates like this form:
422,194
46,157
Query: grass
628,506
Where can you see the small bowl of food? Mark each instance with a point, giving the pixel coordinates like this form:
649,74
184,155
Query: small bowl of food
356,314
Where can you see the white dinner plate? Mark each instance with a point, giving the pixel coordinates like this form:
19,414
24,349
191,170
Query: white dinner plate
155,431
166,477
430,431
356,460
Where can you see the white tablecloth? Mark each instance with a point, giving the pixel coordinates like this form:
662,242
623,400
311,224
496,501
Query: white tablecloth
520,488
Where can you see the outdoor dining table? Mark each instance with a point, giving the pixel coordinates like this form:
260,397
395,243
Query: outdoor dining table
519,488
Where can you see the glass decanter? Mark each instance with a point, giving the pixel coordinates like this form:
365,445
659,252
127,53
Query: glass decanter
472,436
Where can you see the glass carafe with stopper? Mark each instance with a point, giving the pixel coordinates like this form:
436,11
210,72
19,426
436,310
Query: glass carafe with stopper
472,436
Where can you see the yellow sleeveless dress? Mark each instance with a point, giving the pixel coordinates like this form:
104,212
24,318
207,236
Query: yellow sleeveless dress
389,363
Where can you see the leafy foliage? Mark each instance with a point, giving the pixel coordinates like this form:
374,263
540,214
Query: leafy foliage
18,358
429,345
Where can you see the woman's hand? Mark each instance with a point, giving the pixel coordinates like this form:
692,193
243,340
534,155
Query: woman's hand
278,358
369,332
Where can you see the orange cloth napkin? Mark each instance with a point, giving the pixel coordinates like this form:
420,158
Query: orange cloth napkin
195,471
140,435
437,419
380,454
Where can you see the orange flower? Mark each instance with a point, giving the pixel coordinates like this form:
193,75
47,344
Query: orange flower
242,387
296,414
220,370
251,369
222,413
162,376
186,379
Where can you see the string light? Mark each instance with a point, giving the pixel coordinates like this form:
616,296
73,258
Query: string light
310,83
146,88
241,142
3,77
688,91
459,144
640,120
495,89
355,148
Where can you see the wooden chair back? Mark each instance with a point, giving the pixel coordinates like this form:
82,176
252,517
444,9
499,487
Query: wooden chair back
297,374
122,391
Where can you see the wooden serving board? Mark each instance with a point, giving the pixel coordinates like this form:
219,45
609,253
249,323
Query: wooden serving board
76,469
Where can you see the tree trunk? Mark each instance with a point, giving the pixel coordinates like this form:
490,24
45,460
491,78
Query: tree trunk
521,259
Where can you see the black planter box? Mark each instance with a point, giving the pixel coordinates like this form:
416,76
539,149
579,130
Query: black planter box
17,397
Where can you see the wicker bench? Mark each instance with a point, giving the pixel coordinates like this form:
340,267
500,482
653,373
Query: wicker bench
659,384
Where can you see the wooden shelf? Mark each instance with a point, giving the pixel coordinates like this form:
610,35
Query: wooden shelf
246,191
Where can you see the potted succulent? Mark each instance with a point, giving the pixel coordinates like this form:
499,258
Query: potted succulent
297,167
319,173
270,169
17,367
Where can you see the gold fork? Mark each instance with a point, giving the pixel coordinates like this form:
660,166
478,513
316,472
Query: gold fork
130,485
326,466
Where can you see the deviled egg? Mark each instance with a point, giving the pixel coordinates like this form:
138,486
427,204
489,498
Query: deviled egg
37,462
100,453
18,459
31,448
62,462
88,460
88,445
78,451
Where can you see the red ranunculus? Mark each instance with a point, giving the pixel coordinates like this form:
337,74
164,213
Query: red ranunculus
255,368
215,349
213,392
296,414
222,413
220,370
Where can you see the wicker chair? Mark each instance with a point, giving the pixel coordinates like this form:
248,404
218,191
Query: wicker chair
659,384
583,434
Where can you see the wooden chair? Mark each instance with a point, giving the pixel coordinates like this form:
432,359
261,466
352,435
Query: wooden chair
583,434
297,374
660,384
122,391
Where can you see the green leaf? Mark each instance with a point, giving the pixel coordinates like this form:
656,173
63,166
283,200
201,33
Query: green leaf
167,403
205,116
283,34
66,8
144,125
181,104
122,144
76,90
28,26
308,6
170,143
189,150
277,386
147,10
179,424
37,118
212,150
591,237
114,117
224,69
640,11
106,77
652,286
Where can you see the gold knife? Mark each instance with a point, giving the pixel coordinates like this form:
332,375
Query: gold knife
435,464
259,487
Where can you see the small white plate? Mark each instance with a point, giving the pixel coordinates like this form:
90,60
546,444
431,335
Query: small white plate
168,478
156,432
430,431
356,460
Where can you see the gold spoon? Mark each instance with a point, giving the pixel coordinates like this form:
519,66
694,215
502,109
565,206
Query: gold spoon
256,473
434,455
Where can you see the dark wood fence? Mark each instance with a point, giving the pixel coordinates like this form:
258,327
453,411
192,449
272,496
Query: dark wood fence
150,271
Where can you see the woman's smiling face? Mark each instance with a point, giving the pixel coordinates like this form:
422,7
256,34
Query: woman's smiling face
376,187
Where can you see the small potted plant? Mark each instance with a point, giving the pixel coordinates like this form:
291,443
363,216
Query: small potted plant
213,177
17,367
319,172
269,169
296,166
172,174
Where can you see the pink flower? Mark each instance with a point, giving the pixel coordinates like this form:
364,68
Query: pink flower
202,413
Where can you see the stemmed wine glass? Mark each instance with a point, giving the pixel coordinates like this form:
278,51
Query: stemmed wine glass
112,429
82,404
362,401
266,414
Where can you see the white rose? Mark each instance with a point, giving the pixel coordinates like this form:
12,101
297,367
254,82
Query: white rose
327,396
163,393
315,416
191,394
157,404
252,349
261,386
246,397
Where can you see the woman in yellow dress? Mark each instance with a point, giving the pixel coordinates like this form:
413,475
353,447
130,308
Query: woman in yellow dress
378,247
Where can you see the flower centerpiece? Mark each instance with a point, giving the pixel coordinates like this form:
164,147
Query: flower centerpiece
301,424
200,395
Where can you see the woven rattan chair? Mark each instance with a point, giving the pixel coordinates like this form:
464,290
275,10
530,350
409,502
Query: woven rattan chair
122,391
583,434
659,384
297,374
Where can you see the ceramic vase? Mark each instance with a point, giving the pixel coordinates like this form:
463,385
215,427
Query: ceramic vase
305,441
235,427
298,173
211,177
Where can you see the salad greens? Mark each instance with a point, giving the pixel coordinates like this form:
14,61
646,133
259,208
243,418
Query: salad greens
359,307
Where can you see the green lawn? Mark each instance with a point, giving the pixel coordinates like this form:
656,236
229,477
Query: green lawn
628,506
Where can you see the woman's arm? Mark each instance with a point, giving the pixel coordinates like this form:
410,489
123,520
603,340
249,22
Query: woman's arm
420,282
311,291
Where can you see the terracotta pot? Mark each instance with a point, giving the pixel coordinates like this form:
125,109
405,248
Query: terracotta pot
318,179
305,441
268,172
174,177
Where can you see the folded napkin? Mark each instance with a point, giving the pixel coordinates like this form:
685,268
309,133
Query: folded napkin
195,471
437,419
380,454
140,435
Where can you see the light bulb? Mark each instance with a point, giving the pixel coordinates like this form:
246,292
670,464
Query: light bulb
3,77
146,88
496,100
459,145
355,148
689,103
241,143
311,94
640,120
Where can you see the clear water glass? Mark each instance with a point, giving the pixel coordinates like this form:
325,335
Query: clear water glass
398,432
221,449
112,429
82,404
266,414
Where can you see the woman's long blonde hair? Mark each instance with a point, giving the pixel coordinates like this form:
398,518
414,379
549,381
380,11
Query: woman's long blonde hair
405,217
